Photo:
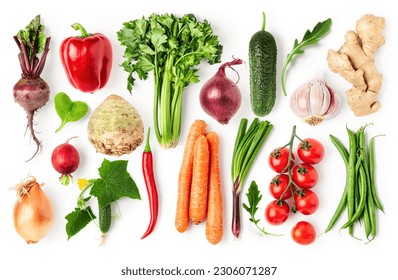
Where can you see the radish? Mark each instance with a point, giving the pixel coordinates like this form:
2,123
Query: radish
65,160
31,91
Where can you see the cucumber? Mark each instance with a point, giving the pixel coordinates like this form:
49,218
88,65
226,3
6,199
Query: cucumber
105,217
262,64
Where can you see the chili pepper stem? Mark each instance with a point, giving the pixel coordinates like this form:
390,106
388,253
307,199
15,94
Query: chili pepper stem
147,148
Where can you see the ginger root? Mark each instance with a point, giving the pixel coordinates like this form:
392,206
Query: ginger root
355,62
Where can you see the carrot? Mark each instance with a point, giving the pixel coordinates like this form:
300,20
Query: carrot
214,222
200,178
185,176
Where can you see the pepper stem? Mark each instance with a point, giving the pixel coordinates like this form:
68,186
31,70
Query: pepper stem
147,146
83,31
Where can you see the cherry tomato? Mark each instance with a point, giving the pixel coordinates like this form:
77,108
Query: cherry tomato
305,175
306,202
310,151
278,160
303,233
278,185
277,212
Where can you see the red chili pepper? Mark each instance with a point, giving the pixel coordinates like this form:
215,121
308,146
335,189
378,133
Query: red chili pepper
87,60
147,170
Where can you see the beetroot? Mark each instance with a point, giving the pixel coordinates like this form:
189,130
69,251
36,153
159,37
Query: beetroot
31,91
65,160
220,97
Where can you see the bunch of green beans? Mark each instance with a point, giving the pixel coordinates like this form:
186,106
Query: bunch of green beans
360,196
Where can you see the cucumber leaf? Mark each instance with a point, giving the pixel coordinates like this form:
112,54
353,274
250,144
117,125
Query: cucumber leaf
115,183
78,219
309,38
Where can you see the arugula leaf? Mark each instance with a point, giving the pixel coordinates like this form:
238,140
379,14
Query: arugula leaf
254,197
115,183
309,38
68,110
78,219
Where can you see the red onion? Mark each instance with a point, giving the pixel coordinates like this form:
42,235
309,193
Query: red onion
220,97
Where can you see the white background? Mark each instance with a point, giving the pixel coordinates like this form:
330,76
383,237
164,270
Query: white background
332,256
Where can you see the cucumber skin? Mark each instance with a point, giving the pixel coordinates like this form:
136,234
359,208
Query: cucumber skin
262,64
105,217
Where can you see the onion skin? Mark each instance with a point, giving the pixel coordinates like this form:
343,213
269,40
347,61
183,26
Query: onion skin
33,213
220,97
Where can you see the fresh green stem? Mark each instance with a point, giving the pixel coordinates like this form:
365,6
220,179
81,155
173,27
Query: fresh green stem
147,148
83,31
264,21
289,57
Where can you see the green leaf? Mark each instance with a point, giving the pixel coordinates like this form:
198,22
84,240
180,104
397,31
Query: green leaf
115,183
309,38
68,110
28,37
254,197
78,219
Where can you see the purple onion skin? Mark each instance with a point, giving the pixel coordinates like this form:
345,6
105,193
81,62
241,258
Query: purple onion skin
31,93
220,97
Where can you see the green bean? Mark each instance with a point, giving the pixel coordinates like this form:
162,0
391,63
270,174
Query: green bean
372,174
351,177
363,188
343,200
366,220
372,215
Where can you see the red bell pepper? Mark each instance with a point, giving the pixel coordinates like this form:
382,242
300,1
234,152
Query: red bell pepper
87,60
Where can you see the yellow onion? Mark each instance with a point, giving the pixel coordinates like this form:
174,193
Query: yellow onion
33,212
315,101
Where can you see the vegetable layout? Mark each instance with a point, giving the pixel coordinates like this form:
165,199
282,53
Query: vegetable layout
150,183
315,101
220,97
113,184
115,127
33,211
171,47
360,196
309,38
262,62
248,143
199,183
87,60
31,91
68,110
355,62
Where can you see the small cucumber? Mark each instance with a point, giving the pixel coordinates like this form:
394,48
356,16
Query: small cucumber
105,217
262,64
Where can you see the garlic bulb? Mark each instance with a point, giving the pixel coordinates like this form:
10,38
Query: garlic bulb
314,102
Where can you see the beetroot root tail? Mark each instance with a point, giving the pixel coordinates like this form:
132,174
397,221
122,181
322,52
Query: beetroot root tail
29,126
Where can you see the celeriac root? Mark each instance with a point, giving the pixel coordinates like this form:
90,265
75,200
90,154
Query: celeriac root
355,62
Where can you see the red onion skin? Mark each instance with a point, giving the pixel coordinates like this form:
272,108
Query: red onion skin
220,97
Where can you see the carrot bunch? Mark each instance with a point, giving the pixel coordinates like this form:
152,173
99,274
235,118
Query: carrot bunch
199,183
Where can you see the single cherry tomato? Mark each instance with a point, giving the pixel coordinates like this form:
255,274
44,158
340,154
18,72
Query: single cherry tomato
277,212
305,175
279,159
278,185
310,151
303,233
307,202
